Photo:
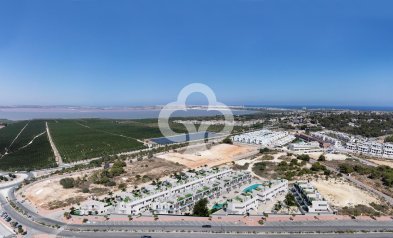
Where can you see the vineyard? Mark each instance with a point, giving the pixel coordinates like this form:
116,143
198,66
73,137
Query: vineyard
84,139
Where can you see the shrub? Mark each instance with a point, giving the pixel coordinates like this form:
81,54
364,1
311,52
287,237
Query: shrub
322,158
227,141
67,182
304,157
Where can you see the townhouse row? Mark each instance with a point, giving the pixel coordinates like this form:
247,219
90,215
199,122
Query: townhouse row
371,148
309,199
172,196
265,137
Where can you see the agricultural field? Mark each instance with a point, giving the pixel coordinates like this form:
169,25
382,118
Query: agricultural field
8,134
24,146
33,129
138,129
84,139
37,155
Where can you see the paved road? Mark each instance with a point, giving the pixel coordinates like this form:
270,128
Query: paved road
205,235
4,231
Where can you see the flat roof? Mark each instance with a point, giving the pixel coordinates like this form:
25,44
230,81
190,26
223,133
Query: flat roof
184,138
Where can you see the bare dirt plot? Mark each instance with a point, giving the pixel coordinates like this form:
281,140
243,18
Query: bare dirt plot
330,157
49,194
341,193
382,162
216,155
141,171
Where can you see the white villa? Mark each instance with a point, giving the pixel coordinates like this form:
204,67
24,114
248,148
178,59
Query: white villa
309,199
265,137
255,195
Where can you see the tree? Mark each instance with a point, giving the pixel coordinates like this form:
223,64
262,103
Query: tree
200,208
346,168
322,158
290,200
67,182
67,215
304,157
264,150
317,167
227,141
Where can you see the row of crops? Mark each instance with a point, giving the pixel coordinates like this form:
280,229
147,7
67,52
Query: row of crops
8,134
37,155
77,140
24,145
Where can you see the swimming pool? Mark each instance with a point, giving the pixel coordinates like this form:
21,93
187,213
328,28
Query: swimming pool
252,187
218,206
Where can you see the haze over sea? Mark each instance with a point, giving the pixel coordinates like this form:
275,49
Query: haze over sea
29,113
72,113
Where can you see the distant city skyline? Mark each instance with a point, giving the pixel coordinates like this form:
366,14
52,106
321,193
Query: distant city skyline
250,52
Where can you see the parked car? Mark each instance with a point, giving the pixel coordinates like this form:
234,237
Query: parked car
206,226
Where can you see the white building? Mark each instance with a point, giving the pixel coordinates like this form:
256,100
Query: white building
93,207
255,195
326,138
305,147
371,148
178,196
265,137
388,149
309,199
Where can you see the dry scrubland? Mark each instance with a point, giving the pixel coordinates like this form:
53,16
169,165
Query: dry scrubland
382,162
49,194
341,193
216,155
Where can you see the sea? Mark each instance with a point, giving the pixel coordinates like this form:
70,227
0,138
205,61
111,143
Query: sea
29,113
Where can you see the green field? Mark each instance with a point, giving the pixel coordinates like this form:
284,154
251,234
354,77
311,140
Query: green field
85,139
29,150
32,129
38,155
75,139
138,129
8,134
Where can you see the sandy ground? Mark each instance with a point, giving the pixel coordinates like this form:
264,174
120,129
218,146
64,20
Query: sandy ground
382,162
47,192
341,193
330,157
217,155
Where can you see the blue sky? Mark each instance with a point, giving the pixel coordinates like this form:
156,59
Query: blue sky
260,52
